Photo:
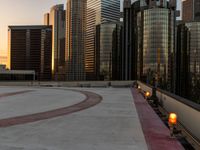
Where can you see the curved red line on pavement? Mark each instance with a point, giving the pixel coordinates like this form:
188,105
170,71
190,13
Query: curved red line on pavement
14,93
92,99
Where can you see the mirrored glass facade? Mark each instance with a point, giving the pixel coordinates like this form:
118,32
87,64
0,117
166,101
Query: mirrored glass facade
128,59
194,59
156,40
98,11
75,39
57,20
46,19
107,50
182,60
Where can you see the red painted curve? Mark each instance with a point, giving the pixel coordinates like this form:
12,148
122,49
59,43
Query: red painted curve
157,135
91,100
14,93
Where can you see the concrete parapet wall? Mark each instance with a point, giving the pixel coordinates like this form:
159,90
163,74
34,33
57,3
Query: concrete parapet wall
187,111
121,83
71,84
17,83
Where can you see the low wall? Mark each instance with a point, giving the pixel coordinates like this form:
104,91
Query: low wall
71,84
187,111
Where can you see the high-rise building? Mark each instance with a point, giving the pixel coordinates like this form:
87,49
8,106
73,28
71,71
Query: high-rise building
127,47
194,60
75,39
188,60
108,50
117,46
129,52
30,49
153,41
191,10
46,19
57,20
98,11
182,60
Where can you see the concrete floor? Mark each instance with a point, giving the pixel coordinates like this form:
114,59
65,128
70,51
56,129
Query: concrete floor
111,125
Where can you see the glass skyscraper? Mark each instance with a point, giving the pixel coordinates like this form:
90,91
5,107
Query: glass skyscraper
188,60
98,11
182,60
75,39
107,50
56,18
46,19
128,61
194,59
156,42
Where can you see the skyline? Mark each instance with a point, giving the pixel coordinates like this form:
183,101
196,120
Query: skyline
23,10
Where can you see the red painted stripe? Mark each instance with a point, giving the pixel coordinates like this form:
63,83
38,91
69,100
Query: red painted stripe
157,135
14,93
92,99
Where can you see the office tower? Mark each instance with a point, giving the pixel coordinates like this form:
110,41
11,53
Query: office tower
98,11
46,19
191,10
57,20
194,60
30,49
117,46
75,39
154,25
107,50
129,53
127,57
182,60
188,60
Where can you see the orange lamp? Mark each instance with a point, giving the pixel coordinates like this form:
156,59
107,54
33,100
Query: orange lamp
147,94
172,119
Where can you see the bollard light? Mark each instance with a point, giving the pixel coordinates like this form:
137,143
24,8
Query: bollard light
147,94
172,119
139,87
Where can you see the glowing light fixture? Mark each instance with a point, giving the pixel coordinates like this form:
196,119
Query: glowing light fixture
147,94
172,119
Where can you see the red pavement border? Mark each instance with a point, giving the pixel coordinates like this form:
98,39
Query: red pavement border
14,93
157,135
91,100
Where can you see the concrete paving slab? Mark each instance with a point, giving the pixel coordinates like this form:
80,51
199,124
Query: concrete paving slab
111,125
38,100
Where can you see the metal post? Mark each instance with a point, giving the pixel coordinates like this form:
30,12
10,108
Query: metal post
154,97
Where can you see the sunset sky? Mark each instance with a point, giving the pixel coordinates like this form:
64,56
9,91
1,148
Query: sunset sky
22,12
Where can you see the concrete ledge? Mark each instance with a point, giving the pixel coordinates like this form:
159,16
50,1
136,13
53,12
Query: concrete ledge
121,83
99,84
70,84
